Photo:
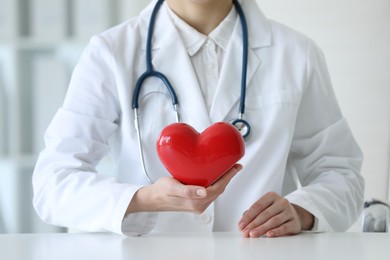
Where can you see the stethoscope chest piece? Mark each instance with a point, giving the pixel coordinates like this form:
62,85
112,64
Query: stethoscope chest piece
243,127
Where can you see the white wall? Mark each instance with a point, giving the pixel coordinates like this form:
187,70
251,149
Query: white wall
355,36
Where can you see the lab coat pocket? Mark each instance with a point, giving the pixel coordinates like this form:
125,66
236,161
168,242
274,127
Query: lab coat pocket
269,100
273,114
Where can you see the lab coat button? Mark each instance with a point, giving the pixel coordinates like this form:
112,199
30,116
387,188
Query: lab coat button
205,218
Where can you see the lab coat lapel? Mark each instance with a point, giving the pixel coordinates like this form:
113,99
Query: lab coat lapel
170,57
229,86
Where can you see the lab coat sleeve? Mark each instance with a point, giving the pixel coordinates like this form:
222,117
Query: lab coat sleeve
68,190
324,154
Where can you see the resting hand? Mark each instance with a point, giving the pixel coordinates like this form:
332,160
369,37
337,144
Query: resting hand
168,194
274,216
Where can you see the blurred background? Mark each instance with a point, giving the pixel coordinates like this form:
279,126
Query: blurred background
41,41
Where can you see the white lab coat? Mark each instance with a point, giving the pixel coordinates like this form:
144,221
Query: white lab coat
297,130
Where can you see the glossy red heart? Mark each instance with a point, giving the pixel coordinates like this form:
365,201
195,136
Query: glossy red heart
199,159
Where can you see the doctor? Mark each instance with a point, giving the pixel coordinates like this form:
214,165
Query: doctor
301,167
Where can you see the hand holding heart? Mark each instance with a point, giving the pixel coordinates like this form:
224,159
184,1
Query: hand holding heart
195,161
168,194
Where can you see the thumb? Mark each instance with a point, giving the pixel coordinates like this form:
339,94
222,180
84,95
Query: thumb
188,191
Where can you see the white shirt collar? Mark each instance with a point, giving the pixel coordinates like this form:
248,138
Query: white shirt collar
194,40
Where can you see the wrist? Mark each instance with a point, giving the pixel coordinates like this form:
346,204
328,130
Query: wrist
139,202
305,217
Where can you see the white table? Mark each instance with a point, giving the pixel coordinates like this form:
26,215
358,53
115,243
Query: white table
311,246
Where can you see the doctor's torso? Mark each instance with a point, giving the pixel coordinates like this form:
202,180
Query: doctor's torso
277,77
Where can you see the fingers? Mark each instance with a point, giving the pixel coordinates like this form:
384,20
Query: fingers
278,225
177,189
175,196
222,182
288,228
272,215
253,213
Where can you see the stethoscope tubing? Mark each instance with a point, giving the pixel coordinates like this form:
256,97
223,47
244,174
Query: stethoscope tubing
150,72
244,28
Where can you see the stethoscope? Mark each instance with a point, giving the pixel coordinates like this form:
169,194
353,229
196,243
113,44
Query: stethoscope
241,124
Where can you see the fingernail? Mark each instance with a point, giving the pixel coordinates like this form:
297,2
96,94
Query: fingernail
200,193
241,225
238,167
253,234
270,234
246,232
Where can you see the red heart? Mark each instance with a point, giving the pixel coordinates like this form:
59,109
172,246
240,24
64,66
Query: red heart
199,159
